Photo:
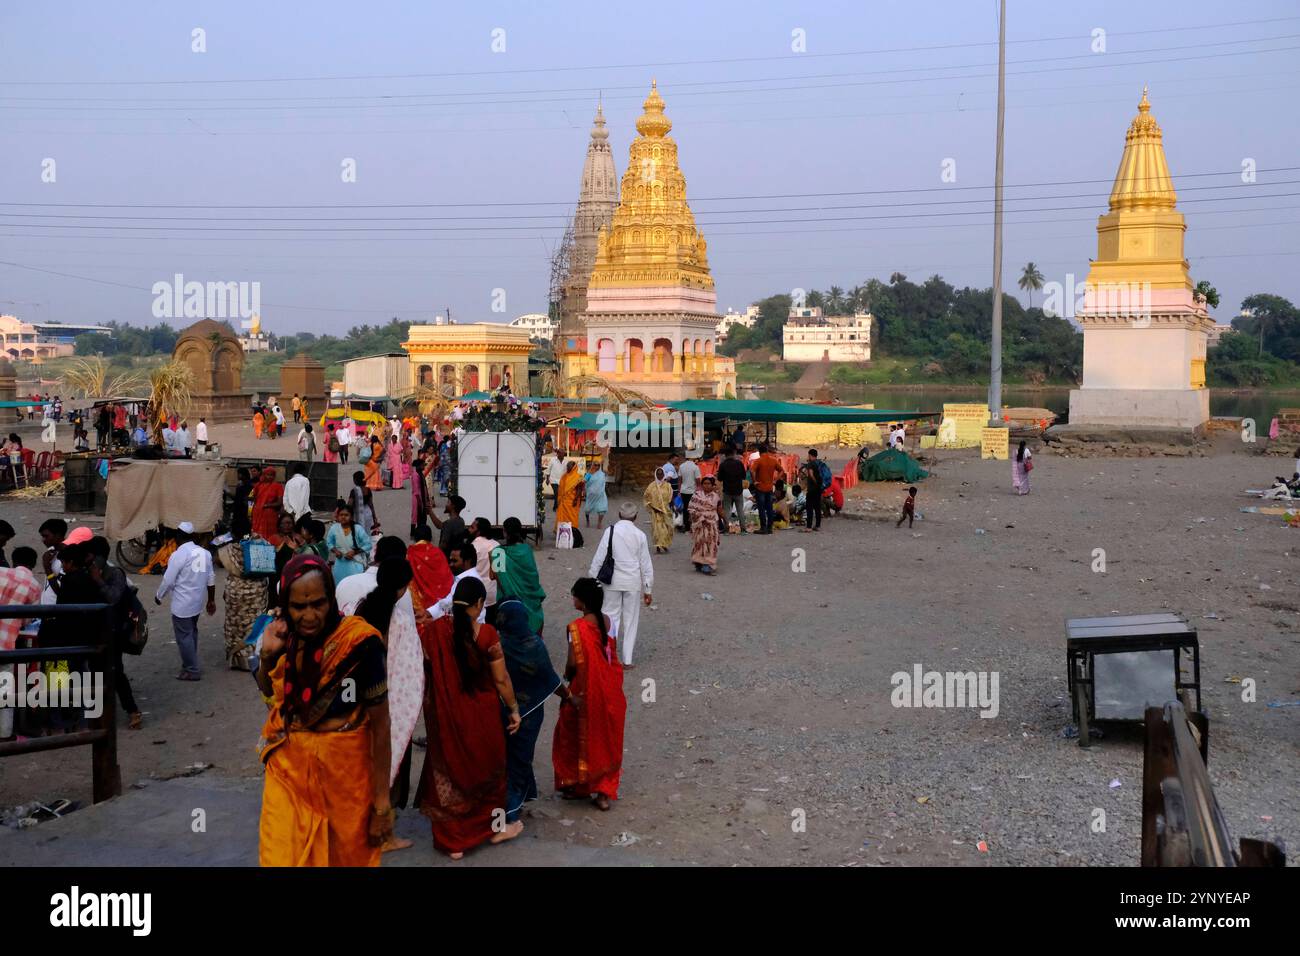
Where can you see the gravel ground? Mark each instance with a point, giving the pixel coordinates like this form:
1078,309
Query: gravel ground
771,695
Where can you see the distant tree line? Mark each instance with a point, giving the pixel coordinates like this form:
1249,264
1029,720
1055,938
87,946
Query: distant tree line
133,341
944,328
1263,347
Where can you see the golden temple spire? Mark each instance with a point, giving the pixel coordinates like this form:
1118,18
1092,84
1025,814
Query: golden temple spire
652,239
1143,180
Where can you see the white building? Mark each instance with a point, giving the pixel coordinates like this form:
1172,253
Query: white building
25,341
809,336
1213,335
538,325
747,319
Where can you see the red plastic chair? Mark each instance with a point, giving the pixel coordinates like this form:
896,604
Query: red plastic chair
40,471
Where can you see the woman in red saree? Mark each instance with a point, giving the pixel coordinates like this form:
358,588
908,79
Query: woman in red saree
588,748
463,785
267,496
326,742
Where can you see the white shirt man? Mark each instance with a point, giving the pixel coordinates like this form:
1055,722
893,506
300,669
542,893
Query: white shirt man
279,418
690,473
345,434
297,496
443,607
191,581
633,576
201,435
555,471
182,439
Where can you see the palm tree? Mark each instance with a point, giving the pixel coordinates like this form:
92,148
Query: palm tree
835,300
1031,280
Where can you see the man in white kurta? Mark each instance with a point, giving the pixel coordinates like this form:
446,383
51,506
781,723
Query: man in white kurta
633,580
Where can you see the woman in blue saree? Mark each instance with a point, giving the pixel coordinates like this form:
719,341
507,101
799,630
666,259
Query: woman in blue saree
534,679
597,503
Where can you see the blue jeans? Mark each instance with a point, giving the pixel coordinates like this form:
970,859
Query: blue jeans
766,516
186,630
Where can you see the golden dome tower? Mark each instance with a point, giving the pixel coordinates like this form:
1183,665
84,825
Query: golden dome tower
1144,331
652,239
1141,238
651,318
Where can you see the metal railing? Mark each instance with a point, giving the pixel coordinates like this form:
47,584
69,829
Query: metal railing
102,739
1182,823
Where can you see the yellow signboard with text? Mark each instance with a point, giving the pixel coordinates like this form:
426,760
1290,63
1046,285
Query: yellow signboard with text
995,443
962,425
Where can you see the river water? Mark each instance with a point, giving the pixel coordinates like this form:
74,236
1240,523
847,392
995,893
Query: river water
1261,406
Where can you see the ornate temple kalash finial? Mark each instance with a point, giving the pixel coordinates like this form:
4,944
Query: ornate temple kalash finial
1143,180
652,239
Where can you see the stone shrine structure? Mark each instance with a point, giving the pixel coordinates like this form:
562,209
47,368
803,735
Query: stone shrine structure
651,318
214,356
303,376
1144,331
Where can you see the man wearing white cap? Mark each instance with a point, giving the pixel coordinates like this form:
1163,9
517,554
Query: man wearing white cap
633,578
189,572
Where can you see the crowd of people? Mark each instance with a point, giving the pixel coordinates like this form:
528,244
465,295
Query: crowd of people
363,638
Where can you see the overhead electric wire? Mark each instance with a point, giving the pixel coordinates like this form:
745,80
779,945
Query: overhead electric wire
650,65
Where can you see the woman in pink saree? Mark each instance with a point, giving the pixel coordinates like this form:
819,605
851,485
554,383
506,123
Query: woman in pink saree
393,461
327,454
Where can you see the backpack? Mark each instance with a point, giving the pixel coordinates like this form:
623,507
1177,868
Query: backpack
334,443
824,473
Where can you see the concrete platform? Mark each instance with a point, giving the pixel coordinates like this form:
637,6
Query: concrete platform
155,826
1128,434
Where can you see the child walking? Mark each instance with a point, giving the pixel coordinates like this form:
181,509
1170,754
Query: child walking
909,509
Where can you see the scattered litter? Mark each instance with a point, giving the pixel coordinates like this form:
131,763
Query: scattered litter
566,823
706,596
1071,732
1266,587
1232,680
697,692
1267,819
1115,784
922,800
625,838
1284,703
1210,617
982,846
980,531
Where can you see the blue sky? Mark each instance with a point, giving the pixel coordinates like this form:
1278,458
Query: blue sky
853,132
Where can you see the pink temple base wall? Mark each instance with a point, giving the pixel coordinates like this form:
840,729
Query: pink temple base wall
652,299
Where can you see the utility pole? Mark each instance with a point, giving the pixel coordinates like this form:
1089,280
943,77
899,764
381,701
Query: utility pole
995,370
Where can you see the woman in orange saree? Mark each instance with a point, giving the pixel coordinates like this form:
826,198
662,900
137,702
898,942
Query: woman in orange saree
325,744
267,497
463,784
374,479
588,748
569,495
